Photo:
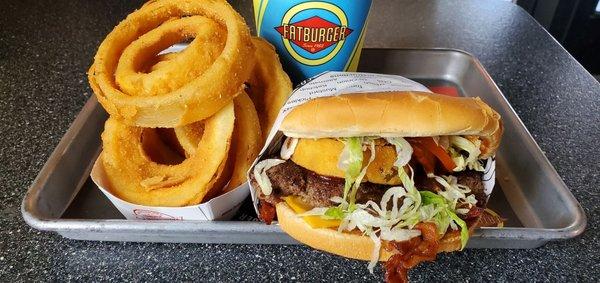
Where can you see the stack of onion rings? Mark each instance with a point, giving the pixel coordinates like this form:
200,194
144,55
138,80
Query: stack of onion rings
136,178
181,128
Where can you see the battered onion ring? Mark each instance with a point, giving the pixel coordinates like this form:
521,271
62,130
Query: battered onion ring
187,139
189,136
156,145
245,144
194,100
221,179
269,86
181,67
246,141
135,178
321,156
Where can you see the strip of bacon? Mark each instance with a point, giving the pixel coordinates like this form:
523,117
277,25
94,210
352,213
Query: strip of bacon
412,252
266,212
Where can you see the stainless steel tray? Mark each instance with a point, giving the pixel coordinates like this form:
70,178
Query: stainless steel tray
529,192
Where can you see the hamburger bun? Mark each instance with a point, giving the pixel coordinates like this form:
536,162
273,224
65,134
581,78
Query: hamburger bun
395,114
345,244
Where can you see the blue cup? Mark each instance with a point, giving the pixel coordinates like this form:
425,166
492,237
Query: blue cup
313,36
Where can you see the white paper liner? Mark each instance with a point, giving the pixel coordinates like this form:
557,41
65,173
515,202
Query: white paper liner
337,83
222,207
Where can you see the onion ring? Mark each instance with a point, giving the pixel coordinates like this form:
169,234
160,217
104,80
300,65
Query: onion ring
321,156
192,97
185,140
181,67
268,86
221,179
245,143
188,137
135,178
157,146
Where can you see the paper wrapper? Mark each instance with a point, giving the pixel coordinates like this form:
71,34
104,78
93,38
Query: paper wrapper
222,207
337,83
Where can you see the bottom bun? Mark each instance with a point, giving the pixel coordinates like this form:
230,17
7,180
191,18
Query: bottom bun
348,245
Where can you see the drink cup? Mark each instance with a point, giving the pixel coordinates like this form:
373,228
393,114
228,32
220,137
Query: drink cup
313,36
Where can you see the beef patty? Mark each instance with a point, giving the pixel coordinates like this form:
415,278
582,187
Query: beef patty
288,178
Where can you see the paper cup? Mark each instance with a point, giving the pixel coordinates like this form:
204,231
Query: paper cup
313,36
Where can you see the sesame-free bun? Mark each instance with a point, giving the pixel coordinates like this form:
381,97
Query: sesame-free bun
395,114
345,244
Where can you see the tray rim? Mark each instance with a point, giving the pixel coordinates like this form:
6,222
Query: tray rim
33,219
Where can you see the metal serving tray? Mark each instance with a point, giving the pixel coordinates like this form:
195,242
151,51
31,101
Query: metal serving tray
528,192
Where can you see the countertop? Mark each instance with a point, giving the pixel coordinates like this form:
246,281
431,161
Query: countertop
46,48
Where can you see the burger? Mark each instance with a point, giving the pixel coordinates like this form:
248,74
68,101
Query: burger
392,176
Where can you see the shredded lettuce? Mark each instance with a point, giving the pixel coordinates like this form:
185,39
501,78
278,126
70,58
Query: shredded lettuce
455,193
439,204
376,247
361,175
459,144
445,215
398,234
406,180
350,161
464,230
335,212
429,211
260,174
403,151
432,198
288,147
412,199
336,199
409,210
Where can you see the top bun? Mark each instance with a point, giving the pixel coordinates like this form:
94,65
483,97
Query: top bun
395,114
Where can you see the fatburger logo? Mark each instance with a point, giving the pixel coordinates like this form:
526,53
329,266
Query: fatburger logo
314,34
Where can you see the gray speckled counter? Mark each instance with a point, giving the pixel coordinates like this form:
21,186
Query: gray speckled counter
46,47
